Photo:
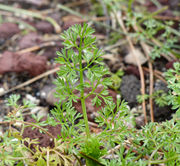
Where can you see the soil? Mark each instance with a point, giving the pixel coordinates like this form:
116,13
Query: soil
130,88
28,47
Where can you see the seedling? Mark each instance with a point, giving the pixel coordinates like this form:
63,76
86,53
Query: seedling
79,55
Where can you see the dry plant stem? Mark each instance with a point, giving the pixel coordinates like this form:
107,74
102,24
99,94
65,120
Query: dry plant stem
93,124
19,21
119,19
114,149
159,17
28,123
31,81
32,14
37,47
147,51
156,74
77,158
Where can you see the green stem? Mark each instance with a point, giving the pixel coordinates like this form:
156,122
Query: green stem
152,14
164,161
82,91
93,89
85,117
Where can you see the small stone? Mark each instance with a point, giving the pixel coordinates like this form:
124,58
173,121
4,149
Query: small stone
130,58
47,93
140,121
35,110
32,99
2,90
43,112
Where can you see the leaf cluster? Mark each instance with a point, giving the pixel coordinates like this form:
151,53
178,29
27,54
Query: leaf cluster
14,149
173,78
79,55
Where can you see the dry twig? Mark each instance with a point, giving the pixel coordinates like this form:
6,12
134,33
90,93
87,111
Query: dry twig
147,52
120,21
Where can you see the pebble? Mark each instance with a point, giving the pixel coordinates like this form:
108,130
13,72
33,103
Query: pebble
32,99
2,90
130,59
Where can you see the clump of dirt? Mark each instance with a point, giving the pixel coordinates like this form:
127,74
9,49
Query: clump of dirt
28,62
29,40
44,27
8,29
43,139
130,88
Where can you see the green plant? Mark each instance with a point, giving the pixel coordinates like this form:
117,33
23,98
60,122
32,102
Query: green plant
173,97
173,79
80,47
14,149
159,96
116,79
116,143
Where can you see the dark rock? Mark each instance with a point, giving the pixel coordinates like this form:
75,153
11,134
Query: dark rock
159,85
130,88
162,113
